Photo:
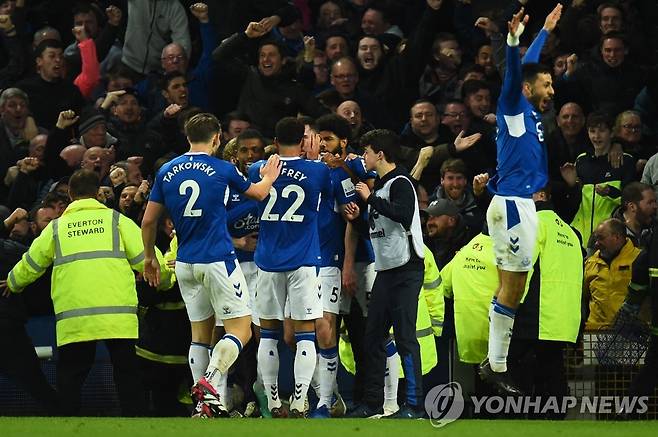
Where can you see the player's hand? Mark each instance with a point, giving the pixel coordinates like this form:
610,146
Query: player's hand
553,17
490,118
352,211
517,25
312,147
6,292
333,161
200,11
569,174
114,15
462,143
351,156
348,281
488,25
572,62
363,190
152,272
616,155
480,183
66,119
272,168
80,33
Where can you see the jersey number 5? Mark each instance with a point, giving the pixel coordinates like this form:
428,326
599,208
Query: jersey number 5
189,206
289,215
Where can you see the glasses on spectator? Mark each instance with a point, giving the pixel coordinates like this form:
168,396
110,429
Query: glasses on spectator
632,127
343,76
455,114
173,58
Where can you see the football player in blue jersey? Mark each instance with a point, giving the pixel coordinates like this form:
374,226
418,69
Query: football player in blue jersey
522,170
288,258
194,188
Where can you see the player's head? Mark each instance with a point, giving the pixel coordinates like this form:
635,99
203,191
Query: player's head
380,145
83,184
538,86
289,133
250,147
334,133
203,128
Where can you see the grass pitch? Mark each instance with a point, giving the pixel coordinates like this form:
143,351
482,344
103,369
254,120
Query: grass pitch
116,427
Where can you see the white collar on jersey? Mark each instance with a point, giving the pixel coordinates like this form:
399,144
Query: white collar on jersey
197,153
289,158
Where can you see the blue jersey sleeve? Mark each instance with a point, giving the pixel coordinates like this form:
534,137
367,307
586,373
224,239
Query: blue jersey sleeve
534,51
254,171
358,166
344,190
237,181
511,97
156,194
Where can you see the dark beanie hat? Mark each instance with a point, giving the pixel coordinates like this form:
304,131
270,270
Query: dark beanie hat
89,118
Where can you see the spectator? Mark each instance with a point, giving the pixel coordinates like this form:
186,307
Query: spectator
377,20
628,131
439,81
12,64
153,24
637,211
599,184
174,88
49,93
265,86
608,273
454,188
447,230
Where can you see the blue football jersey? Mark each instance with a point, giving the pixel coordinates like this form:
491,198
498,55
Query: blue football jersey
288,237
521,154
242,219
194,188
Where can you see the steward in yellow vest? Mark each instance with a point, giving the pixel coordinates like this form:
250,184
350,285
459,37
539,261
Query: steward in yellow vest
429,321
94,251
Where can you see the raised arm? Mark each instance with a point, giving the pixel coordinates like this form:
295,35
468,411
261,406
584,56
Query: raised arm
510,95
534,51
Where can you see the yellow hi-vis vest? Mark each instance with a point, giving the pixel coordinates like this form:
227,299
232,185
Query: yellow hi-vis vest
471,279
429,321
561,279
93,250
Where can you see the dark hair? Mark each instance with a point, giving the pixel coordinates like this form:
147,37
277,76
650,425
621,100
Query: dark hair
185,114
632,193
531,70
453,166
597,118
47,44
607,5
272,42
166,79
333,33
236,115
200,128
336,124
613,35
382,140
617,227
472,86
250,134
84,183
289,131
472,68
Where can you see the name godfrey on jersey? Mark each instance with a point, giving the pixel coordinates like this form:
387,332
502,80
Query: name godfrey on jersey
201,166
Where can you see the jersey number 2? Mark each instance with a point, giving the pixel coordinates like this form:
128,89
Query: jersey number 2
289,215
189,206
